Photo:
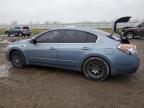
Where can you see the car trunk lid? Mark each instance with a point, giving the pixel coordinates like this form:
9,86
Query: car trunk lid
120,20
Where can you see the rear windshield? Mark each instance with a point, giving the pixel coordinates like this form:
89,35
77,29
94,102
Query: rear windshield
26,28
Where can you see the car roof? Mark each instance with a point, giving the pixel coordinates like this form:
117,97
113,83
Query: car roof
93,31
21,26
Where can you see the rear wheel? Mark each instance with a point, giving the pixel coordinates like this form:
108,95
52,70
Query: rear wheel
18,59
96,68
28,34
20,34
130,35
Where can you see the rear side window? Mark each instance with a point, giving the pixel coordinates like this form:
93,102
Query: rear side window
49,37
73,36
91,38
17,27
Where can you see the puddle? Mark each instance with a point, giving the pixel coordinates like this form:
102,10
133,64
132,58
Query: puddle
3,49
4,70
5,42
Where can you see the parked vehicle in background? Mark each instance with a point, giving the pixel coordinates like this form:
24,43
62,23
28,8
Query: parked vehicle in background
19,31
137,31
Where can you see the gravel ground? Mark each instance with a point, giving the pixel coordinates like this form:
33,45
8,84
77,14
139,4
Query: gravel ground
43,87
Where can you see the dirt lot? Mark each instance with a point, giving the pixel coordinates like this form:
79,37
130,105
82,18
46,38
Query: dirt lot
42,87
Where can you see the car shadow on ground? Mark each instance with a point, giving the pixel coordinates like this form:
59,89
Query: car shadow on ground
40,71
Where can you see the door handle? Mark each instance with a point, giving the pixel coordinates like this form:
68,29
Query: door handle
85,48
52,48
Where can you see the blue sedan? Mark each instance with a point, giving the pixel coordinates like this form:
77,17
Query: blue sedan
94,52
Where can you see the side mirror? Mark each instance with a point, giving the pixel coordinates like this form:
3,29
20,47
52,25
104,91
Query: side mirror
33,41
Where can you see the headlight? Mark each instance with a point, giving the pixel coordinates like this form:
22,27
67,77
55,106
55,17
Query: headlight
127,48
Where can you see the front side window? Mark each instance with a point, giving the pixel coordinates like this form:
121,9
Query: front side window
73,36
49,37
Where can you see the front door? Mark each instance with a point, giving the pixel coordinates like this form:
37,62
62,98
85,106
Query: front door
45,49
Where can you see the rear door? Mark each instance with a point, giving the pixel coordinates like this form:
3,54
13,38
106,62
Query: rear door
16,30
13,30
74,46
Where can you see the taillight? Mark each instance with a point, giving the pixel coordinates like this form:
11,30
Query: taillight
127,48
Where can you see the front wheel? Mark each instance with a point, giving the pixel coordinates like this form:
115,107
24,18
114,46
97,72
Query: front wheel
129,35
96,68
20,34
28,34
7,34
18,59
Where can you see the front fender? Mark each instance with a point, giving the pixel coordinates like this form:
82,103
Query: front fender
16,49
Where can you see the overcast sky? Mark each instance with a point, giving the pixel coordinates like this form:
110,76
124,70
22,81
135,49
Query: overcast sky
69,10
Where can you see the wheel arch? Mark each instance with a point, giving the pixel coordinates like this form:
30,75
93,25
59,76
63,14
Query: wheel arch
15,49
19,32
7,32
99,56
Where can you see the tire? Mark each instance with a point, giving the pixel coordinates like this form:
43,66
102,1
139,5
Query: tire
129,35
28,34
7,34
18,59
20,34
96,68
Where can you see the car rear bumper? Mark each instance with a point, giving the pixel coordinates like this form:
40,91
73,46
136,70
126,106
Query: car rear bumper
26,33
123,68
